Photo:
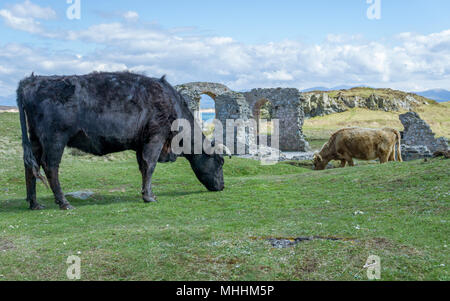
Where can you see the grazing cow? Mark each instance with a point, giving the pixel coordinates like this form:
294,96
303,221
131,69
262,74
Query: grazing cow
359,143
103,113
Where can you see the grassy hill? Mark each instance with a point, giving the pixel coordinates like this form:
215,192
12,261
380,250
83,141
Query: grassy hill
319,129
385,93
398,211
322,103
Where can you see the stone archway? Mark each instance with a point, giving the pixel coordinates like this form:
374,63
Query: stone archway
229,105
286,107
259,113
207,114
193,92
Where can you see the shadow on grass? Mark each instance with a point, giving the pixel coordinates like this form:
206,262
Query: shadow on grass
20,205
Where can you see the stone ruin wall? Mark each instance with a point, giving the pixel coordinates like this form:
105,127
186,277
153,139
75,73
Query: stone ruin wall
291,107
287,106
418,140
228,105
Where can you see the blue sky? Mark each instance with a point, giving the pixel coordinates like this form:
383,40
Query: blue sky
261,21
243,44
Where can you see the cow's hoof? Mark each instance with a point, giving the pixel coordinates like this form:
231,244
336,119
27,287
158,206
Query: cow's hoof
36,206
66,207
149,199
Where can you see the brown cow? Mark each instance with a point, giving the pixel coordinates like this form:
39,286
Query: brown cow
359,143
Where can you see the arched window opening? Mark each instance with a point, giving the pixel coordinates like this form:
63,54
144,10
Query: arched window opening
207,115
264,111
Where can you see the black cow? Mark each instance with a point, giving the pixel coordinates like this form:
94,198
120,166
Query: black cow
103,113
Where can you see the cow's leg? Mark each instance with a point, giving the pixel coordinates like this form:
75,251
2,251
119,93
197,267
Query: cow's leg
343,162
349,159
31,189
147,158
384,157
31,179
53,178
384,153
51,160
344,156
392,154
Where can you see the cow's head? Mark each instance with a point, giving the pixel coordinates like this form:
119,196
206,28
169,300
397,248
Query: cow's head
318,162
209,170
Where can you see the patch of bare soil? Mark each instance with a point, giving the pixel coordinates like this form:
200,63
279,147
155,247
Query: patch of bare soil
383,243
284,242
6,245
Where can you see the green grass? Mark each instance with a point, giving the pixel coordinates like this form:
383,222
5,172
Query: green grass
192,234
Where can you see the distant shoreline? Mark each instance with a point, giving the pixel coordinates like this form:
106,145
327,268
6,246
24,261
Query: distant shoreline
8,109
15,110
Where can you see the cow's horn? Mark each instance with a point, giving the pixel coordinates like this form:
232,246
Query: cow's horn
223,148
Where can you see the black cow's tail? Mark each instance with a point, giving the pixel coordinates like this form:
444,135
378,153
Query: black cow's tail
28,157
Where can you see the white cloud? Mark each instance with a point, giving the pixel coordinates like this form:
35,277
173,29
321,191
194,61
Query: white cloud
20,23
336,38
407,61
24,17
18,61
5,70
131,16
280,75
28,9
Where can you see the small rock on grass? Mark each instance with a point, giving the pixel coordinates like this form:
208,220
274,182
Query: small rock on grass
80,195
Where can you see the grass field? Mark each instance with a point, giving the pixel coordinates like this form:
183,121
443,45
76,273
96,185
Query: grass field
397,211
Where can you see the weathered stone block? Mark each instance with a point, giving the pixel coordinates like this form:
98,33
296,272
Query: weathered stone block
418,132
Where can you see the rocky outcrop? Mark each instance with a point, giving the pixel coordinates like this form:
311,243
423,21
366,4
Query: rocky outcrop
80,195
321,105
418,140
324,103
